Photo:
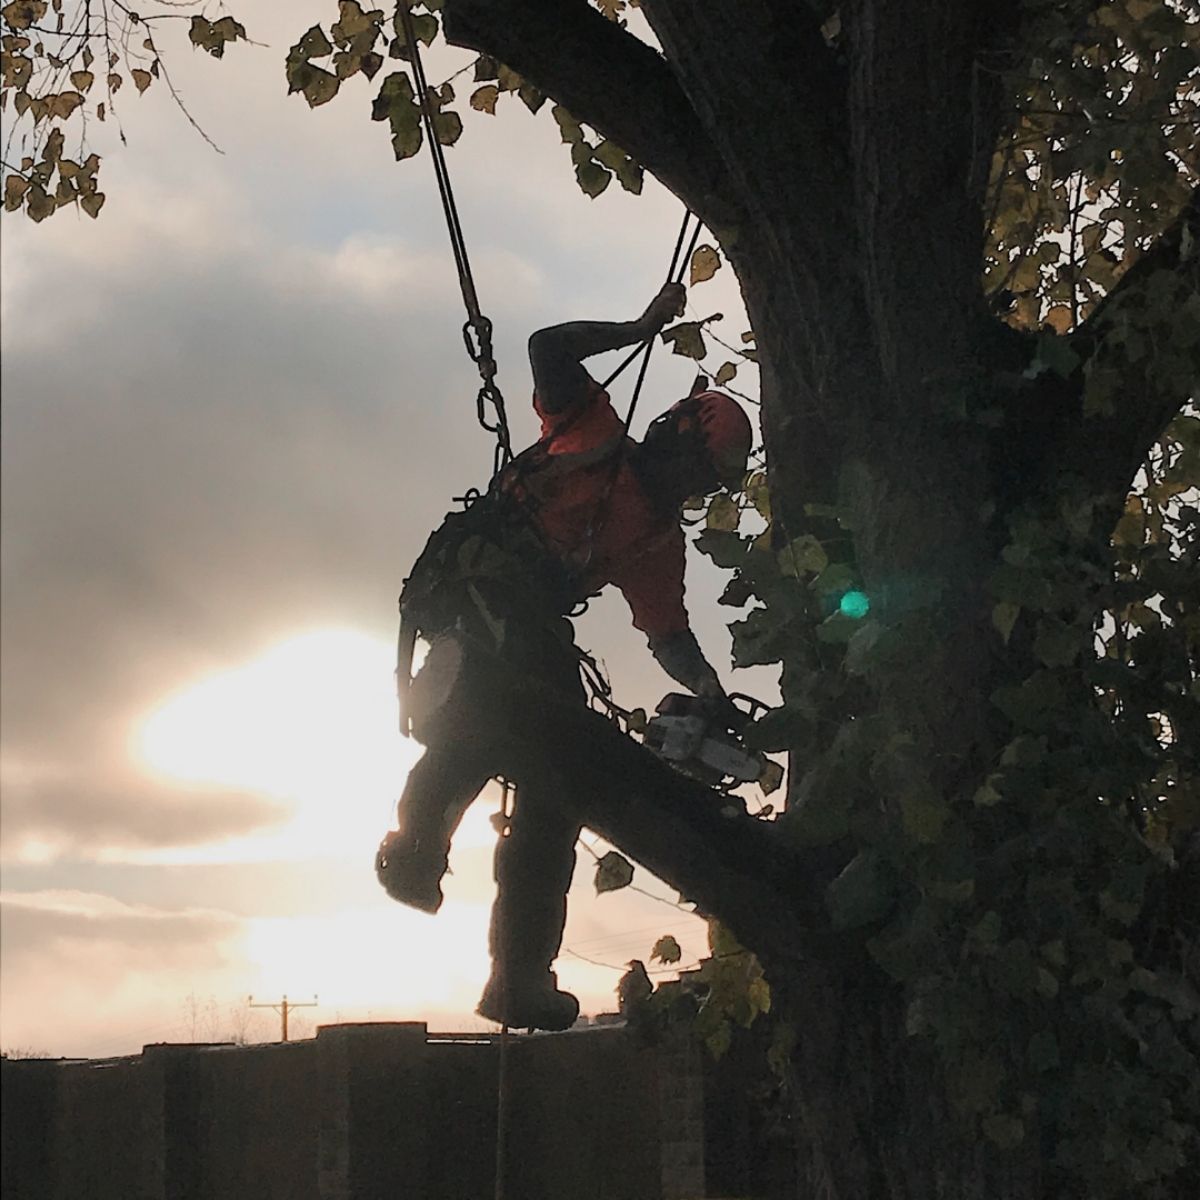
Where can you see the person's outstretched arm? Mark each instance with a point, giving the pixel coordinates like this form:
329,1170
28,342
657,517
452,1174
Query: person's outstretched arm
679,654
556,354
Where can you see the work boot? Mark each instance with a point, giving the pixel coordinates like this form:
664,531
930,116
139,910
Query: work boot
528,1004
409,873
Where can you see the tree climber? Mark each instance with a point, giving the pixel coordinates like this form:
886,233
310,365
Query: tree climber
584,507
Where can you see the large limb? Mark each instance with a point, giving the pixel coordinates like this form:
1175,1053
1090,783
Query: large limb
604,76
702,843
1108,449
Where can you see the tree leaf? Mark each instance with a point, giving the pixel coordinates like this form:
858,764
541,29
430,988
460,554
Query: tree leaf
861,894
320,86
723,512
771,778
803,555
592,178
725,373
141,79
448,127
666,950
20,14
38,204
15,187
1004,617
484,99
686,339
706,262
613,872
570,128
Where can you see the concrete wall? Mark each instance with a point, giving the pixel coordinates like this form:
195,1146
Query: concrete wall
363,1112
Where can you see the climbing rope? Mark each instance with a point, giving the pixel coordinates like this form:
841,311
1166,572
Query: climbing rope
477,331
599,512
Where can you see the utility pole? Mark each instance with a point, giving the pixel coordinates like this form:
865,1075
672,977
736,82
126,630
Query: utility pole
283,1008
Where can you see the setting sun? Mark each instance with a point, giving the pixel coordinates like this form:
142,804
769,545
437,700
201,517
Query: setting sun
311,722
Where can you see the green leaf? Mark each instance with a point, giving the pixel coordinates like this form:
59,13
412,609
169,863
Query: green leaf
924,817
613,872
725,548
859,657
314,44
1004,617
352,21
571,130
1054,354
771,778
723,513
803,555
592,178
448,127
666,950
861,894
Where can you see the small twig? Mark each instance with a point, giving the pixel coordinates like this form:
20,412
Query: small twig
162,66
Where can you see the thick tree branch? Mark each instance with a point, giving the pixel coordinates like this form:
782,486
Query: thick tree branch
607,78
733,866
1108,450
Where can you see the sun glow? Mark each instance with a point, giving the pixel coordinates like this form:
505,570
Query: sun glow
312,722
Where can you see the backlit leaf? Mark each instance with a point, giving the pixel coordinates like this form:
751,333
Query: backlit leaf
613,872
686,339
666,950
706,262
484,99
723,512
771,778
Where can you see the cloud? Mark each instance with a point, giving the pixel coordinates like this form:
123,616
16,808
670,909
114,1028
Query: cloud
59,813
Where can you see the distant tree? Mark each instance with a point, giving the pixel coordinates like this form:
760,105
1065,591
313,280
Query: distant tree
966,238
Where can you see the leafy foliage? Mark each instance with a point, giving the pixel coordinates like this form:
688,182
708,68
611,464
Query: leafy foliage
63,61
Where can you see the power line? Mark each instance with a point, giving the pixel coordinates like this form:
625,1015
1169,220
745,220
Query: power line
284,1007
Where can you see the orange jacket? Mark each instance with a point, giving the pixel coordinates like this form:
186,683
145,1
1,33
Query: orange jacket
605,532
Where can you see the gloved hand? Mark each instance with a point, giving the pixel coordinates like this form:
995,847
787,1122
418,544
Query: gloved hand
667,305
721,711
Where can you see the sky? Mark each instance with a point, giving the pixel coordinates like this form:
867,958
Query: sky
233,408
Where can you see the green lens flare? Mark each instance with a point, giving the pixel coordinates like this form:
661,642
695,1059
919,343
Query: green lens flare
855,604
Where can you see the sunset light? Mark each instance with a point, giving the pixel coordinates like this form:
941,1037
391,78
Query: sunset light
311,722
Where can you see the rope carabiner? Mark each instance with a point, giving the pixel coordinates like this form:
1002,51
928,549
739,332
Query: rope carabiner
477,332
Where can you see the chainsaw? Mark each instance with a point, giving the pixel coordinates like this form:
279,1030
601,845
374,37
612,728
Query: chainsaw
686,732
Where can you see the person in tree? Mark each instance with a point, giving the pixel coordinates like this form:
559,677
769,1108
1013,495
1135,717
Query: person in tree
584,507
